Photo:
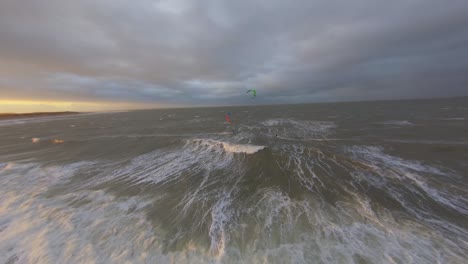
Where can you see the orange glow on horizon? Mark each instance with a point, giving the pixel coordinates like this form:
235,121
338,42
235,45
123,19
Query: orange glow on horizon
26,106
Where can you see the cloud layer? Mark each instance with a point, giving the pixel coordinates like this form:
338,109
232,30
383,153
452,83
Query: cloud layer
209,52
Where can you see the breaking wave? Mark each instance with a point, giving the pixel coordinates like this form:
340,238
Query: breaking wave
273,222
228,147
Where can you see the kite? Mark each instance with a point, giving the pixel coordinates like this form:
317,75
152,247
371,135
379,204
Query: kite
254,93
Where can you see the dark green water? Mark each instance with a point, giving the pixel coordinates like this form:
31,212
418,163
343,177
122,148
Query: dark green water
373,182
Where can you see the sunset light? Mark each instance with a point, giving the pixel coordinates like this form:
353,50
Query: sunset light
25,106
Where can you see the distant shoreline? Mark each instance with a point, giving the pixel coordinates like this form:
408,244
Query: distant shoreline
5,116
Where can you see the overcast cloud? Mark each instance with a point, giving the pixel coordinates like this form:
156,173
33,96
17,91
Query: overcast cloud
209,52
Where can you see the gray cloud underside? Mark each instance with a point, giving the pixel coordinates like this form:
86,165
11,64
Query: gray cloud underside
209,52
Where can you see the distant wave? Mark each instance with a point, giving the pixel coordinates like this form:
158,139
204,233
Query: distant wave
453,119
298,128
429,142
397,123
12,122
319,125
273,122
229,147
41,119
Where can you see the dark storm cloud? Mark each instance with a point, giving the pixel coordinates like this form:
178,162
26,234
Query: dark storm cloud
209,52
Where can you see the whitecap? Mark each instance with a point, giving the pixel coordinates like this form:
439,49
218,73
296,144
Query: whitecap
298,128
397,123
229,147
453,119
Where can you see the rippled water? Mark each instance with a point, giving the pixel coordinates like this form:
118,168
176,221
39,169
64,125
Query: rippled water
376,182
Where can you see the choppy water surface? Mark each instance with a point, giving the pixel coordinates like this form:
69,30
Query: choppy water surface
378,182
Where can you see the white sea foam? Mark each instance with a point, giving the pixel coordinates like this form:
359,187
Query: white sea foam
397,123
229,147
377,155
198,120
415,172
273,122
307,165
44,231
430,142
92,226
223,133
298,128
453,118
40,119
165,165
83,226
277,205
311,231
220,217
12,122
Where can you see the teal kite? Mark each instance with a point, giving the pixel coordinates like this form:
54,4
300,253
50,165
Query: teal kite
254,93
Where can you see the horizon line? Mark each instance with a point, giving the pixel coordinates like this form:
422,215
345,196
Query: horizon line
247,105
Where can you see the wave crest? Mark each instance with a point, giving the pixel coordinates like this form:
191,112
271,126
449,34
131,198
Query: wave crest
228,147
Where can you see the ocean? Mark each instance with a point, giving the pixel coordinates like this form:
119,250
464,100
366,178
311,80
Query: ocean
361,182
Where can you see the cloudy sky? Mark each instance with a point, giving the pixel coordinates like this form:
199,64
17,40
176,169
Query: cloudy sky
115,54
